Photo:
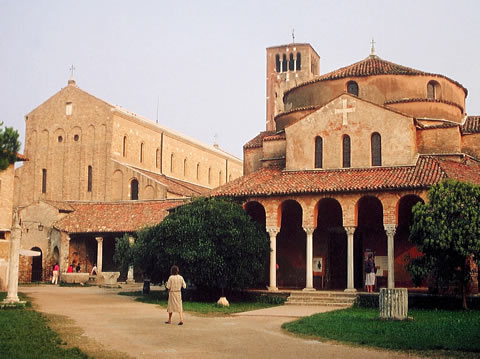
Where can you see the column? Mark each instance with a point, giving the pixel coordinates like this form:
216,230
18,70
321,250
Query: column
390,230
350,273
309,258
13,261
99,253
272,232
130,278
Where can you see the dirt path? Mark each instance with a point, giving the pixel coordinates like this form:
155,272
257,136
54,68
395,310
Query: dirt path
106,325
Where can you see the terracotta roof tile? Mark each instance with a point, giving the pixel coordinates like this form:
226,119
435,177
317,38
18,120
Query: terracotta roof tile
409,100
471,125
373,65
270,181
258,140
104,217
276,137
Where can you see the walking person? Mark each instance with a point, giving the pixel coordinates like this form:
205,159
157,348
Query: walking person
370,271
56,270
174,285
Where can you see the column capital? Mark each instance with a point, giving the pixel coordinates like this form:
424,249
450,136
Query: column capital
390,229
273,231
350,229
99,239
309,230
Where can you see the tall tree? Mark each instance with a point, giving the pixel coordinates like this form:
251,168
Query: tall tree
446,230
9,146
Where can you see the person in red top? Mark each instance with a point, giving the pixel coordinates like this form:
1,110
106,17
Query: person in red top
70,268
56,271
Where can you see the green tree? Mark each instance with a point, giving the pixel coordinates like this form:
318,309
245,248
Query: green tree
213,241
9,146
446,230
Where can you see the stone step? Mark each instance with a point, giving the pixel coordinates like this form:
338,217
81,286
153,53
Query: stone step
321,298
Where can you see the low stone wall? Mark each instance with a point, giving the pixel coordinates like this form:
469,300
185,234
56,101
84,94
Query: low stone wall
72,278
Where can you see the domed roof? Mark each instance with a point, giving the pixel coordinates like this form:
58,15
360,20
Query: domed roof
371,66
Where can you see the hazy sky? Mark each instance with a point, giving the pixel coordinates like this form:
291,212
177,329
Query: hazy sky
204,61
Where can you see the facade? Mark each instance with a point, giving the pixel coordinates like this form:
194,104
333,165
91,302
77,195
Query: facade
351,152
112,168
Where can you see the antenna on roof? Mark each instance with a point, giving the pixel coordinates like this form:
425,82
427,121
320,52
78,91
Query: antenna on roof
293,36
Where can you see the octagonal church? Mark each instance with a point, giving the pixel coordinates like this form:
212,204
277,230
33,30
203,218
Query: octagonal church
344,158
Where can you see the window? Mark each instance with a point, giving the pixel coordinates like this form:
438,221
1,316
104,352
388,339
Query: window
346,151
76,138
318,152
44,180
89,181
198,171
185,167
278,66
134,190
219,178
352,87
141,152
59,138
68,108
376,149
209,175
172,159
284,63
299,61
157,158
124,151
433,89
291,63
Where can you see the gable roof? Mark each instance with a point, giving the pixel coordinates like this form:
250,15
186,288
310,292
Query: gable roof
471,125
428,171
111,217
373,65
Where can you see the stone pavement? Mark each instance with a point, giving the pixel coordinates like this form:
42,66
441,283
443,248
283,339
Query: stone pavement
138,330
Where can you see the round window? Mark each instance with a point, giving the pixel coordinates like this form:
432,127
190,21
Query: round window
76,137
60,138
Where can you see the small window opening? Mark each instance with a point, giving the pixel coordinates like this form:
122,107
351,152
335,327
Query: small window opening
44,180
76,138
60,139
68,108
318,152
352,87
278,66
299,61
291,63
89,181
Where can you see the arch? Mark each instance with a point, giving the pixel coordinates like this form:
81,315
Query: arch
318,152
278,66
172,162
369,235
257,212
134,189
291,63
90,134
299,62
352,88
346,151
37,266
117,185
56,255
433,90
124,146
330,244
75,135
376,148
291,246
284,63
142,145
89,178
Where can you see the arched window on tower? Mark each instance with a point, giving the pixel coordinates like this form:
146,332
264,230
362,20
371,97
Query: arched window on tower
291,63
89,179
299,61
124,150
284,63
376,149
318,152
352,87
278,66
433,90
346,151
134,190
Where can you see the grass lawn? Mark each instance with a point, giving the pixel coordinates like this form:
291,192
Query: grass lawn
456,332
24,334
161,298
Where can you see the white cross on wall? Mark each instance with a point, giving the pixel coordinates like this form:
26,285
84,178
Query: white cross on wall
344,111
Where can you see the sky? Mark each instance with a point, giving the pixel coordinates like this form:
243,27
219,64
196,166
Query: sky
199,67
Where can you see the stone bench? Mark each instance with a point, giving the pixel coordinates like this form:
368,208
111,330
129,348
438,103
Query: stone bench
73,278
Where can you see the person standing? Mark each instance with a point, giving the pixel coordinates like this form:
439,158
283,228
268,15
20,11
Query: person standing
56,271
370,273
174,285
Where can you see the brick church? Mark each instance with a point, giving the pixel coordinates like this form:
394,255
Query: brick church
344,158
96,171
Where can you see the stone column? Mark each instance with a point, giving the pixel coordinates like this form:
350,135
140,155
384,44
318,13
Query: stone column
390,230
309,258
350,273
13,261
130,278
273,231
99,254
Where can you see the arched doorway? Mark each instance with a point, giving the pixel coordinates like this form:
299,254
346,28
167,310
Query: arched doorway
403,248
330,246
369,236
257,212
37,268
291,247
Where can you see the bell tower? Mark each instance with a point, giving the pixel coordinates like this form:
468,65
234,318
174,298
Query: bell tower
287,67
